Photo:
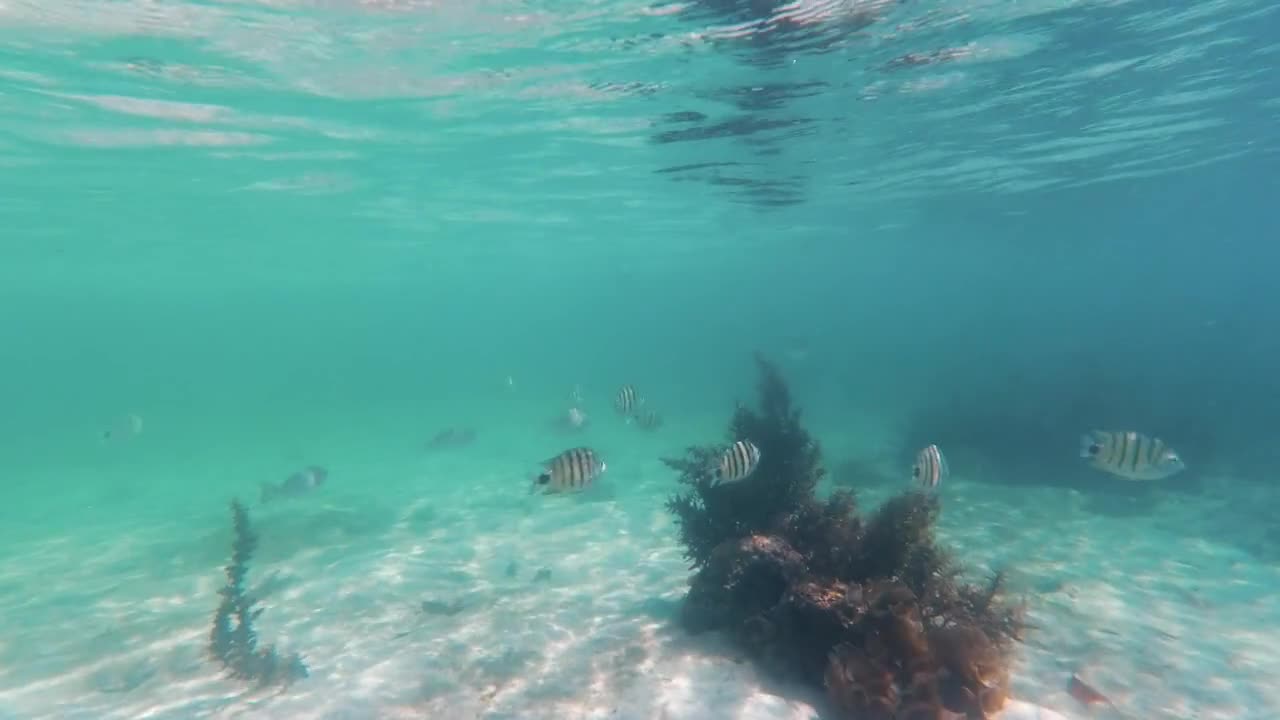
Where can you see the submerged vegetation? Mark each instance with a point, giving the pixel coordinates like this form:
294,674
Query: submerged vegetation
233,641
872,608
789,470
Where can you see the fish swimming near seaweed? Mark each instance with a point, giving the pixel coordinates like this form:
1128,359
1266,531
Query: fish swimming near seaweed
296,485
571,470
930,468
736,464
1130,455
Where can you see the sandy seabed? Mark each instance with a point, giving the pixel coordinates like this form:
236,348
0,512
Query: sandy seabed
449,591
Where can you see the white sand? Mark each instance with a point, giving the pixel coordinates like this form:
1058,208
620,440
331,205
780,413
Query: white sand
120,633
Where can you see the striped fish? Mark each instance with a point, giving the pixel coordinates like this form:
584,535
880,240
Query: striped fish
573,469
648,420
930,468
1130,455
627,401
737,463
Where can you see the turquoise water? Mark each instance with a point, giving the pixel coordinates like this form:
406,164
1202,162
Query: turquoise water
284,234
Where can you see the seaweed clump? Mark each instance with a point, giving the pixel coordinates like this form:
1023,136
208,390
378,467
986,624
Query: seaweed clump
233,641
873,609
789,470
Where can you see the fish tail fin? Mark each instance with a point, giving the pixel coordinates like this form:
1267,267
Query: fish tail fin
267,493
1087,443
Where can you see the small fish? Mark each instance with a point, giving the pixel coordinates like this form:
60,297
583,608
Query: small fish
443,607
573,420
451,438
627,401
296,485
573,469
737,463
1130,455
1084,693
930,468
123,428
648,420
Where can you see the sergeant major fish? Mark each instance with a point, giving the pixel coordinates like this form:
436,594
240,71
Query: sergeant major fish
627,401
930,468
296,485
648,420
1130,455
736,464
573,469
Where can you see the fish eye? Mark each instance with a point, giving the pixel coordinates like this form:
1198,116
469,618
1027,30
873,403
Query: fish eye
1094,449
544,478
915,471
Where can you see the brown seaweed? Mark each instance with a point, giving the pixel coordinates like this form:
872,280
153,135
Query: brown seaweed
873,609
233,640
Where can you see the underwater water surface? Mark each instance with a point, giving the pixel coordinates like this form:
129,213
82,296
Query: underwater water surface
387,258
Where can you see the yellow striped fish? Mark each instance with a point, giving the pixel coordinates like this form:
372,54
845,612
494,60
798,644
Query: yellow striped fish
737,463
1130,455
627,401
930,468
573,469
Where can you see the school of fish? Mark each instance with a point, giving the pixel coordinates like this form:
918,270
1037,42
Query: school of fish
1126,454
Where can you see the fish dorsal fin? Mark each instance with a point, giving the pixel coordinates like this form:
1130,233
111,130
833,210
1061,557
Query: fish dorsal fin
551,461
